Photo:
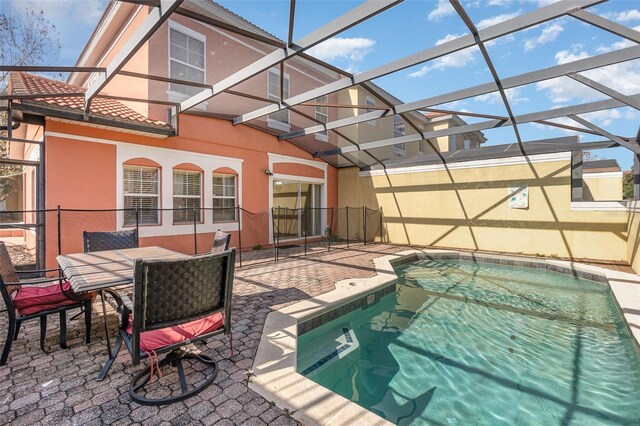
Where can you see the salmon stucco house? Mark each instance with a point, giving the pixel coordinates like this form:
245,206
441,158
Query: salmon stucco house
129,152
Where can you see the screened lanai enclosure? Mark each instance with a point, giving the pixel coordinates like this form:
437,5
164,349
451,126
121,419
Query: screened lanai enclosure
352,120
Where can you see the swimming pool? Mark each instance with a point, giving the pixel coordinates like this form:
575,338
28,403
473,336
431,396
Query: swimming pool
461,342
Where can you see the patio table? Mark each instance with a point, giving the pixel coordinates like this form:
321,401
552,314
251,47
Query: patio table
102,270
105,270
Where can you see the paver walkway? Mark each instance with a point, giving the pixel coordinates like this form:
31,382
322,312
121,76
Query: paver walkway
60,388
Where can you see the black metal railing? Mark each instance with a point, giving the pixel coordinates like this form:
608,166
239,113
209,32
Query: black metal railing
286,231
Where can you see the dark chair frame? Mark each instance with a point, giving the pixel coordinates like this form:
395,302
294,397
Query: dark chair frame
114,240
175,354
227,241
109,240
8,282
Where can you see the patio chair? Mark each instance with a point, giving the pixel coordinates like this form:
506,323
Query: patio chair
30,299
100,241
175,303
221,242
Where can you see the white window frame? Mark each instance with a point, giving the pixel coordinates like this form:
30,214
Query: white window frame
370,101
225,197
173,95
272,123
322,111
399,148
167,160
157,195
174,196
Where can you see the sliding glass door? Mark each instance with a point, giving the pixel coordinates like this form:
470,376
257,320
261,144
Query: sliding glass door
296,209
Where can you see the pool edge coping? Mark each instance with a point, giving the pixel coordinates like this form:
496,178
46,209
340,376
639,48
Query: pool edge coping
275,376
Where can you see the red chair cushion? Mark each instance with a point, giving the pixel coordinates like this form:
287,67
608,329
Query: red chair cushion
31,300
157,339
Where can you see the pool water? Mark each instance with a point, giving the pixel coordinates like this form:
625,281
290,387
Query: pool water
478,343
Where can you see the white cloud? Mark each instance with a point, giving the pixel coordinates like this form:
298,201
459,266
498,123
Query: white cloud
574,54
453,60
455,105
500,3
625,16
542,3
352,49
602,118
599,118
617,45
443,9
548,34
513,95
496,19
622,77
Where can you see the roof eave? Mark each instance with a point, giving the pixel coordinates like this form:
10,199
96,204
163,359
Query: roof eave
93,119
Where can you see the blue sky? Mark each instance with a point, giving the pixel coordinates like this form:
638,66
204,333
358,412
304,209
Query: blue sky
416,25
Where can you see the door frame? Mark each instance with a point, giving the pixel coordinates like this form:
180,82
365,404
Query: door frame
298,180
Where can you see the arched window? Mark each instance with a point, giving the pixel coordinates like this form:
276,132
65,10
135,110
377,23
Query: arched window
141,181
187,194
224,195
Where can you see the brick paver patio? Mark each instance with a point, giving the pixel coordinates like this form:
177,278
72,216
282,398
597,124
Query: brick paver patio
60,387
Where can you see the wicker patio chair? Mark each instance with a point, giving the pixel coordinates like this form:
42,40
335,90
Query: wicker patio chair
100,241
221,242
30,299
175,303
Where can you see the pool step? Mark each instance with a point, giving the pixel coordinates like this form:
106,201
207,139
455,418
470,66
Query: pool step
327,349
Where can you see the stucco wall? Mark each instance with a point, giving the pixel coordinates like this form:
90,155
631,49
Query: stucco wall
466,207
633,245
83,164
602,186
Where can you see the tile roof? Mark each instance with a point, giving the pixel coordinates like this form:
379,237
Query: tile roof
435,114
606,165
23,83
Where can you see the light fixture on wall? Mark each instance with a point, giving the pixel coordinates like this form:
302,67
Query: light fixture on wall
268,172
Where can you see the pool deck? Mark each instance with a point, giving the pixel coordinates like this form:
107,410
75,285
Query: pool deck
277,379
59,388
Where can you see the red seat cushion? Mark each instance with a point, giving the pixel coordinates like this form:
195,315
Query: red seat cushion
31,300
157,339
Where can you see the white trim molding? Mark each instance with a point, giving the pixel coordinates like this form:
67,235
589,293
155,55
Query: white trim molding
279,158
602,175
168,159
495,162
605,206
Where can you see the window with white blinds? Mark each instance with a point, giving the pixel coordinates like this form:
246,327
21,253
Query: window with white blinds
370,102
141,190
187,196
224,198
273,90
186,61
322,115
398,131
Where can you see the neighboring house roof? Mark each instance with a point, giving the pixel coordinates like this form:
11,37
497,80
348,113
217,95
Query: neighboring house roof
601,166
457,121
431,115
102,111
566,143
